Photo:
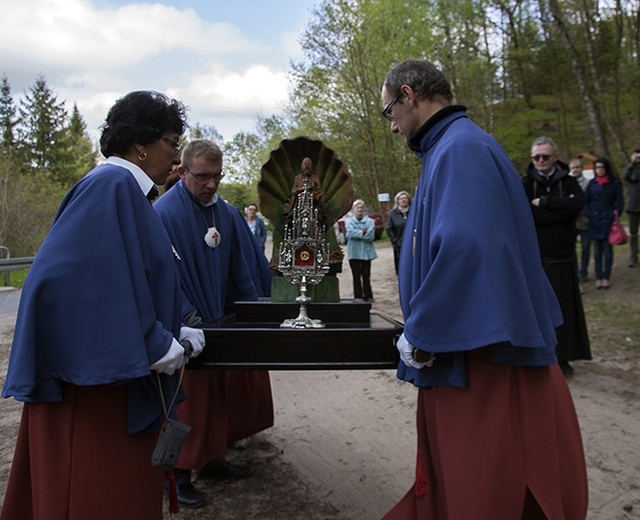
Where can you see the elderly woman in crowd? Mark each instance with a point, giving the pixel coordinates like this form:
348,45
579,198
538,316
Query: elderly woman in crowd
396,223
360,251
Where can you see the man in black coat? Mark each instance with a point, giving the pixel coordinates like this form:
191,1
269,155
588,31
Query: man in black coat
556,200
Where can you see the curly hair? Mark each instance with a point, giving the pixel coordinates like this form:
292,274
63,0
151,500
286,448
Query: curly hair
140,117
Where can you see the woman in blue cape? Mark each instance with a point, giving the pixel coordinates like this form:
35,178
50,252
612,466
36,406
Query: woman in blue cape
96,342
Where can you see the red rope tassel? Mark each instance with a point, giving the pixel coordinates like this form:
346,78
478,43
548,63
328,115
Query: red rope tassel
247,383
174,507
421,488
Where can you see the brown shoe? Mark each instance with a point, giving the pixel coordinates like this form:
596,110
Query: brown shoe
598,284
606,284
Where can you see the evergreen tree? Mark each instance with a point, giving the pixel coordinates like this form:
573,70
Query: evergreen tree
77,150
8,117
42,127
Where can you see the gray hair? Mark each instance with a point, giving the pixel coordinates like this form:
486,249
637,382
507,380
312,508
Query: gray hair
201,148
422,76
400,194
545,140
357,202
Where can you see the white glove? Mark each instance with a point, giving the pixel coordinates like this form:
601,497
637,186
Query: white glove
406,353
195,337
171,361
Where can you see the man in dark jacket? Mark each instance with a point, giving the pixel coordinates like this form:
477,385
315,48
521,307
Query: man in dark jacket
556,200
631,176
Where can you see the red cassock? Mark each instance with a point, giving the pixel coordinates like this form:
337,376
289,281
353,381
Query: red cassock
224,407
481,450
75,461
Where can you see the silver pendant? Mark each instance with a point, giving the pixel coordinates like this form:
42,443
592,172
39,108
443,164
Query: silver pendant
212,237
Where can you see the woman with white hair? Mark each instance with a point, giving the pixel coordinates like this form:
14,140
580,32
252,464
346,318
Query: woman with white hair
360,251
396,222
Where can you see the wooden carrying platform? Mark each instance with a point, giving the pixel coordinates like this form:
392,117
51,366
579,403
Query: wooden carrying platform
251,338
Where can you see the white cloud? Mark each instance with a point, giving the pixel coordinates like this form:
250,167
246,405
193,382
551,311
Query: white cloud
92,56
73,34
222,90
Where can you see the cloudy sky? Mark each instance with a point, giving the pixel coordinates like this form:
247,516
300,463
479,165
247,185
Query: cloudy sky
228,60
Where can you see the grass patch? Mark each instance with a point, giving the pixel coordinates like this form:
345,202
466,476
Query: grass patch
16,278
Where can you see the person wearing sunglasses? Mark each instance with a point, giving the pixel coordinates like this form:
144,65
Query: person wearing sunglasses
631,177
221,263
556,200
96,351
498,436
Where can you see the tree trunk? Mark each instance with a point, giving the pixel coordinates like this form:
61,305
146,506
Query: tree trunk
580,76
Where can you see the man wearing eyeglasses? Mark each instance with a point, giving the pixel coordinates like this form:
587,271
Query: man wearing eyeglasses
556,200
220,262
498,435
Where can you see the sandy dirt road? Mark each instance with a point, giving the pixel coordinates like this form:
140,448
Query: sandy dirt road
343,443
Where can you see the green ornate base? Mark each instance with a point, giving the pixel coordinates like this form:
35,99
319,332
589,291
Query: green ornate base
328,290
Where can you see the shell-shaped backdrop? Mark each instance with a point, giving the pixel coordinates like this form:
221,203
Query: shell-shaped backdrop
278,176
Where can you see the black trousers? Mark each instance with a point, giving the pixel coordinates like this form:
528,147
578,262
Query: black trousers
361,271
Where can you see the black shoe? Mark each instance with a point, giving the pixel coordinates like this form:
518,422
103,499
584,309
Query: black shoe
567,369
189,496
222,468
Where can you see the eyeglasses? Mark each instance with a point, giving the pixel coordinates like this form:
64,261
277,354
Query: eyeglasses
204,177
176,146
541,157
386,113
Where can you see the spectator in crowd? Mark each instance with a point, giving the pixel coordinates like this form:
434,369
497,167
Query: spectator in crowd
256,224
602,198
556,199
221,263
396,223
498,435
96,344
576,170
631,175
360,230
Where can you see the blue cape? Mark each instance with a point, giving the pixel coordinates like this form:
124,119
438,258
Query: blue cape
470,274
212,278
101,301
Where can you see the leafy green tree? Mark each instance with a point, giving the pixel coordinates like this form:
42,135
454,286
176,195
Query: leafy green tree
27,207
199,131
241,159
349,46
248,151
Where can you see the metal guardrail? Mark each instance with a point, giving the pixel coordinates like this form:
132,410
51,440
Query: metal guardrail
11,264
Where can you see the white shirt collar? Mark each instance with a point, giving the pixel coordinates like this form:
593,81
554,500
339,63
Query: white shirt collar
143,180
213,200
